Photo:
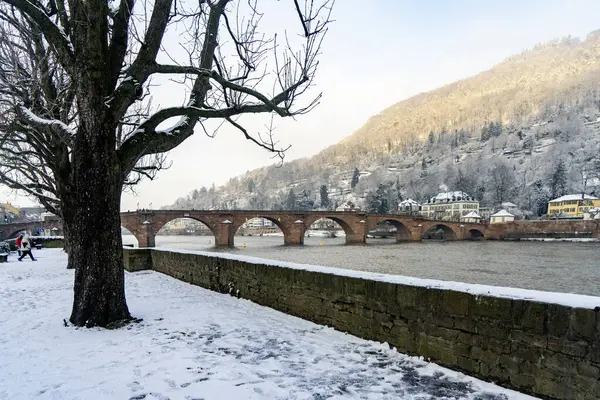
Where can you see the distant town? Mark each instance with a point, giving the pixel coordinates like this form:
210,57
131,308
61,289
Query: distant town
14,214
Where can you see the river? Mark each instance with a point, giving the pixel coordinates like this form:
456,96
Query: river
549,266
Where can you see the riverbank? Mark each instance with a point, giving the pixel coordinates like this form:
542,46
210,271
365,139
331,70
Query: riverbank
226,349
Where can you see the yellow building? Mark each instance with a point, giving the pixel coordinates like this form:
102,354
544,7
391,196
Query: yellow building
10,208
572,205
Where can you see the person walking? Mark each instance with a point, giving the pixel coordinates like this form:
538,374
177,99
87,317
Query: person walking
18,243
26,248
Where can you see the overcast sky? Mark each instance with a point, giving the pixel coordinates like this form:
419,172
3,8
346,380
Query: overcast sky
376,54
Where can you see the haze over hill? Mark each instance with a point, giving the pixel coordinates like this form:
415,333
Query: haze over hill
522,131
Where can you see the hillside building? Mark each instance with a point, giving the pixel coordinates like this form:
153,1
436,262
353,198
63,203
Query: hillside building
409,206
572,205
472,217
449,205
501,216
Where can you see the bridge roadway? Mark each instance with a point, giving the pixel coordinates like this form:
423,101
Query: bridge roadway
144,224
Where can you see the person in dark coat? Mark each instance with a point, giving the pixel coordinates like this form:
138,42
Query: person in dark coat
26,248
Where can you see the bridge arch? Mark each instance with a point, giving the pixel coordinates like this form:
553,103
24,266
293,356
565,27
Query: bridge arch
163,222
403,233
349,231
128,237
475,234
240,221
178,224
14,234
439,231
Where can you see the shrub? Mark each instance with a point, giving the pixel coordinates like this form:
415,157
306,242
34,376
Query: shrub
4,248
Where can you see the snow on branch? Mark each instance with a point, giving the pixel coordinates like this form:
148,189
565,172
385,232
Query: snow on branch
55,125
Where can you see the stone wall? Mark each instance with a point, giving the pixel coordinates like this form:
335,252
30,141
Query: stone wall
135,259
543,229
547,350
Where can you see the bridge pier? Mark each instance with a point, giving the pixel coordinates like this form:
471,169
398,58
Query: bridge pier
294,234
145,236
356,238
359,233
224,234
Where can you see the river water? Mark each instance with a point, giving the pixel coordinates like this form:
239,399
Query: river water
550,266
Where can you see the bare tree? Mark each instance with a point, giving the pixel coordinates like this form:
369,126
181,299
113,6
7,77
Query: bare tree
502,180
78,124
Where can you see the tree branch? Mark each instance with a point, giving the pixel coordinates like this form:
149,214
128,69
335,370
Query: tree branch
139,71
51,32
119,39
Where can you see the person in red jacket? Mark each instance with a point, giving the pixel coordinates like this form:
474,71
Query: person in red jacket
18,243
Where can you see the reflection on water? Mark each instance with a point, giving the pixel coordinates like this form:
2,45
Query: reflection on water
550,266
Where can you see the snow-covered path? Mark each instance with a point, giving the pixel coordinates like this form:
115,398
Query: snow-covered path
194,344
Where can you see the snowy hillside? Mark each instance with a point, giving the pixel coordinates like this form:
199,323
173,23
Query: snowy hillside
500,136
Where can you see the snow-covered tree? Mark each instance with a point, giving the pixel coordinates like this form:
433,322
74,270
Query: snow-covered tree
355,178
291,201
77,124
305,203
377,201
558,180
540,198
324,194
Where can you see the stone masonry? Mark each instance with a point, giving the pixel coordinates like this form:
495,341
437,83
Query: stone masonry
547,350
544,229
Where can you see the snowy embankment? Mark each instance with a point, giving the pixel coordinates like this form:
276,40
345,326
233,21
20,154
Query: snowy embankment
565,299
194,344
581,240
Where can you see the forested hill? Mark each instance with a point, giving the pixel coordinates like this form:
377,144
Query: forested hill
500,135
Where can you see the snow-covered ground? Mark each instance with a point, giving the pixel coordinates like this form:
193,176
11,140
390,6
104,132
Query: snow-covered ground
194,344
582,240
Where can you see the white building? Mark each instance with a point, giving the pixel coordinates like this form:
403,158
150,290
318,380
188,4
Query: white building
258,223
507,205
502,216
48,216
409,205
471,217
348,206
449,205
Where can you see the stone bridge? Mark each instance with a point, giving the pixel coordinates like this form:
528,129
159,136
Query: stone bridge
10,231
145,224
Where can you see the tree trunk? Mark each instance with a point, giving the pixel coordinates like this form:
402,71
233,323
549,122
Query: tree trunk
67,243
95,244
